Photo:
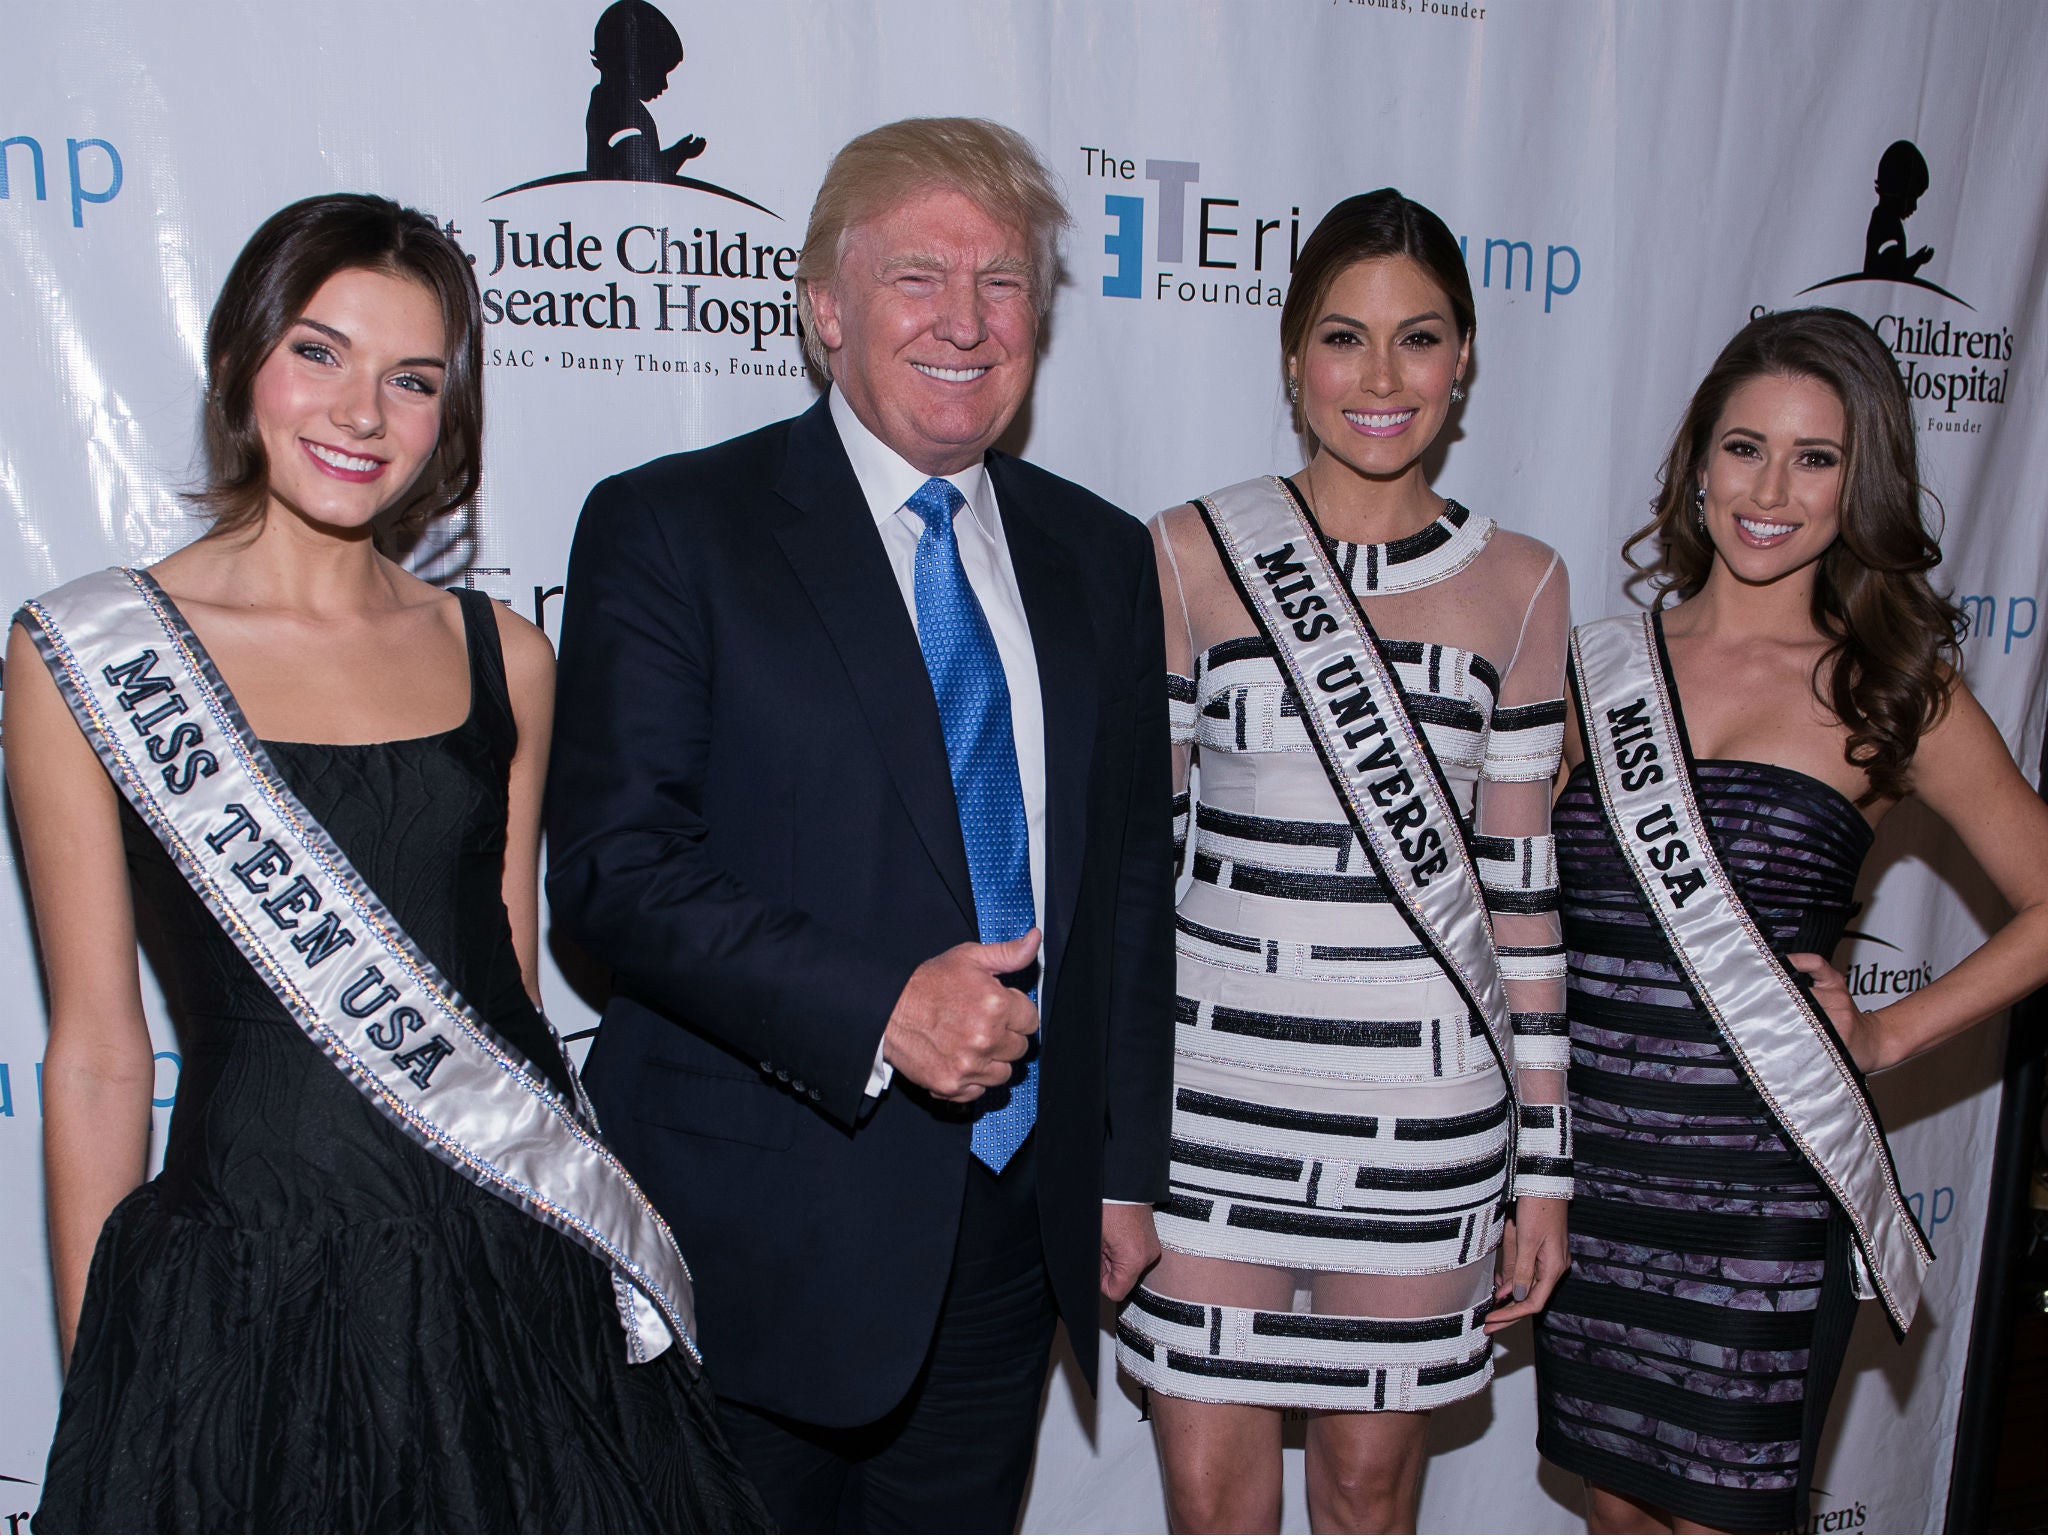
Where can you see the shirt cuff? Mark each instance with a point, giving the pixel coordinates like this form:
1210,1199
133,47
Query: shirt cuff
881,1075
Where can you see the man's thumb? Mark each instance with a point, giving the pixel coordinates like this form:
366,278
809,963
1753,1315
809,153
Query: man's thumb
1010,955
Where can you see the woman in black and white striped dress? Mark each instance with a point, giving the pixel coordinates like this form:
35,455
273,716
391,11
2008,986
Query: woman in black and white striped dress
1342,1148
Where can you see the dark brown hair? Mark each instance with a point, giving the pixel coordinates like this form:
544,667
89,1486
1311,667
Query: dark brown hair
1894,637
1369,225
296,250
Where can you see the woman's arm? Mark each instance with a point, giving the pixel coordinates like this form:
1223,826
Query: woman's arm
98,1069
1518,870
1574,743
1180,682
1130,1240
530,679
1965,774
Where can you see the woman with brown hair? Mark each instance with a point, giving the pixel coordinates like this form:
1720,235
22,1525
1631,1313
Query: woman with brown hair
381,1280
1730,756
1369,1162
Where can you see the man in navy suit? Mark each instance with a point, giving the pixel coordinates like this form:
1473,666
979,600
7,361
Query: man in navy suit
861,789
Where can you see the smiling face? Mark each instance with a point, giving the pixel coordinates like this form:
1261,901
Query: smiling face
931,328
1773,476
348,403
1376,371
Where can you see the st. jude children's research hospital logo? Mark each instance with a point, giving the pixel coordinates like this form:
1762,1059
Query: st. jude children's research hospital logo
17,1520
635,50
1902,180
694,272
1956,365
1949,362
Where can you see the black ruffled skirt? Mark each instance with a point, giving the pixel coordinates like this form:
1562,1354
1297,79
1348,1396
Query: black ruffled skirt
460,1369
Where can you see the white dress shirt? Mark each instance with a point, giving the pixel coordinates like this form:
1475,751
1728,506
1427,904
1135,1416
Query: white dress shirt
888,480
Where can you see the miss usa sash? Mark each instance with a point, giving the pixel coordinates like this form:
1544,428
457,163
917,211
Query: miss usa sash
1785,1047
171,736
1377,758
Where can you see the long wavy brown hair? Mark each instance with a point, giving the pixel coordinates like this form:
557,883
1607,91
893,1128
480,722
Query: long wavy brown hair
1888,672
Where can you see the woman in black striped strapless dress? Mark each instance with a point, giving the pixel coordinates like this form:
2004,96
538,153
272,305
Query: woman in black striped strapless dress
1685,1364
1703,1321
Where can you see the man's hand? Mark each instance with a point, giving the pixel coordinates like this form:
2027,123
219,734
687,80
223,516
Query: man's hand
1130,1246
957,1029
1534,1255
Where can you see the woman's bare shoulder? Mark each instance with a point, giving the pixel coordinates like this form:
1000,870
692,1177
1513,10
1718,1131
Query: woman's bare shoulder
528,651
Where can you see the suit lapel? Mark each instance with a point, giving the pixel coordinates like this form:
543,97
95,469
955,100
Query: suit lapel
833,546
1063,639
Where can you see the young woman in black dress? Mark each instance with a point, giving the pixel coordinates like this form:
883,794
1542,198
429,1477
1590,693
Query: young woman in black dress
307,1320
1686,1361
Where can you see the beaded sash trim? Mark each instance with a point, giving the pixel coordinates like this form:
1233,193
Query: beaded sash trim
1376,756
174,741
1785,1046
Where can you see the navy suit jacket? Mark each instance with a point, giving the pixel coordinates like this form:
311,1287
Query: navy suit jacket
751,821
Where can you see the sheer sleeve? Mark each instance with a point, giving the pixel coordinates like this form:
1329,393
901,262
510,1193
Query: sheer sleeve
1180,684
1518,867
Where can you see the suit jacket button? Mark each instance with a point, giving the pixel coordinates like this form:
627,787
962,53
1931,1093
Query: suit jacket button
814,1093
782,1077
797,1083
767,1067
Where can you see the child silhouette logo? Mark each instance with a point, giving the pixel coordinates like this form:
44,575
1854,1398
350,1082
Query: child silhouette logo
1902,180
635,49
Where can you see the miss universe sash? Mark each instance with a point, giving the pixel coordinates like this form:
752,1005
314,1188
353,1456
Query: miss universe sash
1785,1047
1375,754
171,736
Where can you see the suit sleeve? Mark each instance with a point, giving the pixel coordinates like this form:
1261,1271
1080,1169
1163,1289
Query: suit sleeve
630,874
1141,994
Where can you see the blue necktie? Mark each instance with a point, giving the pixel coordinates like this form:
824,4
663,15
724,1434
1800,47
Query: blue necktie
974,714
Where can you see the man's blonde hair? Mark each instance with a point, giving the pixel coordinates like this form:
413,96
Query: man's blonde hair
992,166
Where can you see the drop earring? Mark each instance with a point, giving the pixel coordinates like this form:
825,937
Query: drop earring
1699,508
1457,393
1293,390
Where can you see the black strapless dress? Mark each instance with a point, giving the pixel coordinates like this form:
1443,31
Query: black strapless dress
307,1322
1687,1358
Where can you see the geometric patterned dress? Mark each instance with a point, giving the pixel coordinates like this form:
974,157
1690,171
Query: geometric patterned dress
1340,1125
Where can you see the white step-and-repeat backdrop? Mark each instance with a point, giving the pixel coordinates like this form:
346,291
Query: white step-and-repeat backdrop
1631,182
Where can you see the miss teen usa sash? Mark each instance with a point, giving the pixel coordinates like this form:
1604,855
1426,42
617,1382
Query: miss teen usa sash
171,736
1375,754
1627,710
